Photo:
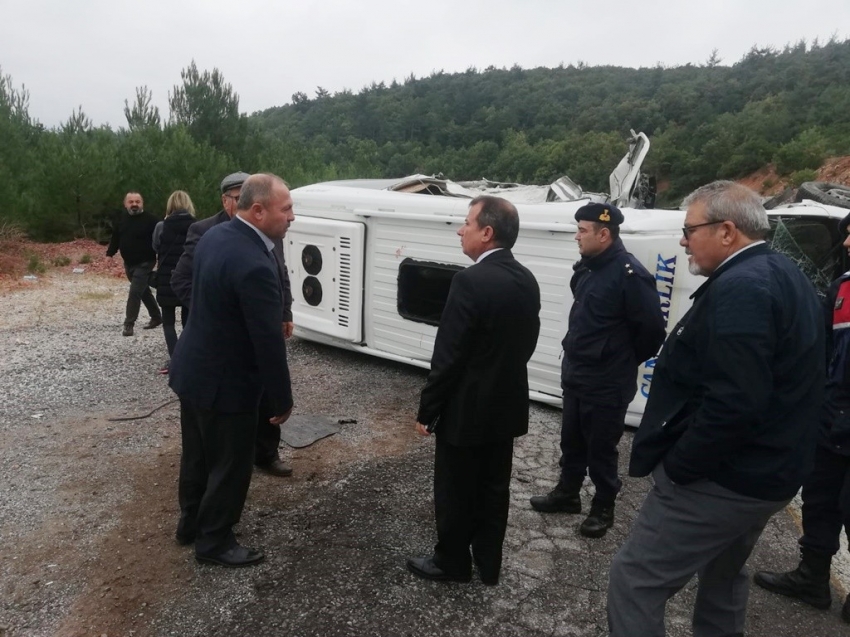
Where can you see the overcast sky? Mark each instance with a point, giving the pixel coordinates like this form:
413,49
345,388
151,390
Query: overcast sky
94,53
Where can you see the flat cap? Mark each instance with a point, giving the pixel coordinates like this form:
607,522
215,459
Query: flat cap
233,181
600,213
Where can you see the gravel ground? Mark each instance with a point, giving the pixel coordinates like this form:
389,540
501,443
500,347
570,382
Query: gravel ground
88,504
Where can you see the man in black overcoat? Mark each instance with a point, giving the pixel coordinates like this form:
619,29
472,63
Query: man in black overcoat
476,396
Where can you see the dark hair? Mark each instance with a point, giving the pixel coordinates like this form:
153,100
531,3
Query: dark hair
501,215
614,229
257,189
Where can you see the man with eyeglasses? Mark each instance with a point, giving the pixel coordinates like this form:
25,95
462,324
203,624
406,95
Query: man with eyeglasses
266,456
615,324
728,432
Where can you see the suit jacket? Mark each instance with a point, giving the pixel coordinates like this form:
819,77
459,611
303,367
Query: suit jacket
478,385
738,387
233,346
181,276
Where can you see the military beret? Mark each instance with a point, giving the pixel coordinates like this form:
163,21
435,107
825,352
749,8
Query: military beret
600,213
842,225
232,181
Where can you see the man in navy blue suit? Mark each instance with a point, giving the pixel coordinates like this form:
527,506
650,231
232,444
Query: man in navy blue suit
230,352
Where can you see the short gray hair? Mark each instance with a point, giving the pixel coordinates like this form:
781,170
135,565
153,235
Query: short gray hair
730,201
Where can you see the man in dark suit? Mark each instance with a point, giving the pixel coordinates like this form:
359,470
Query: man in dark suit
729,429
266,445
476,396
231,351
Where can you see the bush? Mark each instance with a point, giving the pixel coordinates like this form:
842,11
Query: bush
35,266
806,151
60,262
800,176
10,231
86,258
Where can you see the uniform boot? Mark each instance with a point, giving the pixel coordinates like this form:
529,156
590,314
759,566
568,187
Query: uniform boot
845,610
809,582
599,520
128,329
561,499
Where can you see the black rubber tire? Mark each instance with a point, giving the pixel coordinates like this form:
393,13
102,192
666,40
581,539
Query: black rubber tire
823,192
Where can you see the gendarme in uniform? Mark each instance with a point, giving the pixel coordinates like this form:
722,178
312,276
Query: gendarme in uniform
615,324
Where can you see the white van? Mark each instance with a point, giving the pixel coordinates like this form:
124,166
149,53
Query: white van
371,261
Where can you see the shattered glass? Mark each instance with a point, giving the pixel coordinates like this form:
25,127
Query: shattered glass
809,244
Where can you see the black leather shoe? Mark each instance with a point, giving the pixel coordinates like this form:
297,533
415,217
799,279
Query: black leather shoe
184,540
558,500
276,468
598,521
128,329
425,568
234,557
154,322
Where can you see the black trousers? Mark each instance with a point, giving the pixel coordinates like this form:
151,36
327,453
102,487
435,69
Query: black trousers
139,276
826,502
590,434
169,323
215,472
268,435
471,498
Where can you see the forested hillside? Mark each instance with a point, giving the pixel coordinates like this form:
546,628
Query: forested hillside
788,107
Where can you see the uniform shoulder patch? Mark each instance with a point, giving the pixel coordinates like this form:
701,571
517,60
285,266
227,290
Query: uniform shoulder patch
630,270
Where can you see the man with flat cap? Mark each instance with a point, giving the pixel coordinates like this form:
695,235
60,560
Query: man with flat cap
266,455
615,324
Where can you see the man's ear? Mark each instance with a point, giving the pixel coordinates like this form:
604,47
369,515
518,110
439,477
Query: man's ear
489,234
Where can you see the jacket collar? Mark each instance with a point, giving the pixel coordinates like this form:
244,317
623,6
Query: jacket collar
739,258
248,231
499,255
603,258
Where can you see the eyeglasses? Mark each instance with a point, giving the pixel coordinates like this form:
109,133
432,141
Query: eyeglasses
687,230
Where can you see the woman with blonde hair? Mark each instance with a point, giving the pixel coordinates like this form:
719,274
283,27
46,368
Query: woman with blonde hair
168,239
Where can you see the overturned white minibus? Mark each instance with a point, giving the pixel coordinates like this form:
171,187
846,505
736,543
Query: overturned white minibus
370,261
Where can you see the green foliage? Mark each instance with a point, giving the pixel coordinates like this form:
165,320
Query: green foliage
35,265
790,107
800,176
86,258
61,261
209,108
806,150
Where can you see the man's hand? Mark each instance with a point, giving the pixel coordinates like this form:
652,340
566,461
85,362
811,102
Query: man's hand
279,420
422,430
288,326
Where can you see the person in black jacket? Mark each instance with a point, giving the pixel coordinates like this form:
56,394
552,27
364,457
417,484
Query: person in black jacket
168,239
231,350
476,396
132,231
729,429
615,324
826,492
266,454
